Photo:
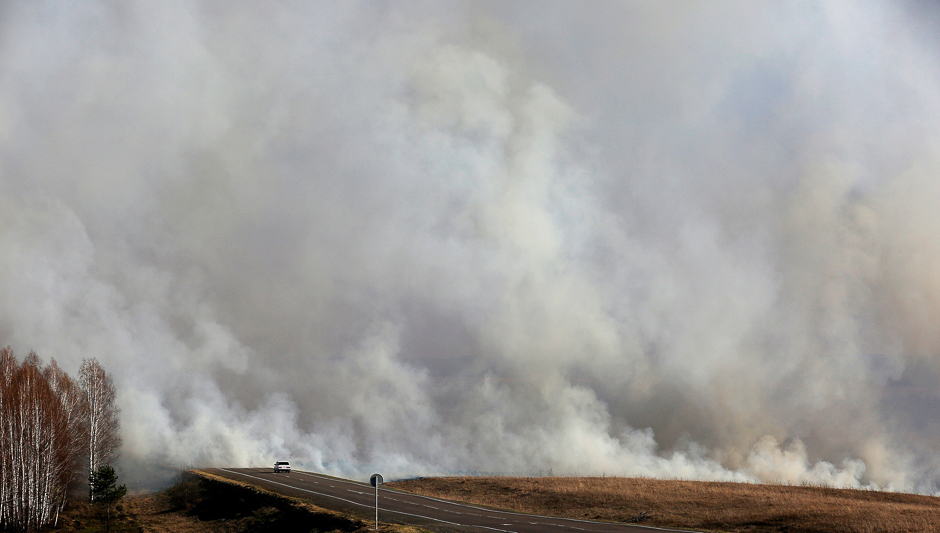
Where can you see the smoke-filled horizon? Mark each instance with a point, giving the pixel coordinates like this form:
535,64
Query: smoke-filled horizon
684,240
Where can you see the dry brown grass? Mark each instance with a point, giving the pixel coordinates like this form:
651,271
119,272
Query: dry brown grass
201,502
150,513
153,515
698,505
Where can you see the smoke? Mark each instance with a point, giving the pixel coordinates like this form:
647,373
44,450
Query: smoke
673,240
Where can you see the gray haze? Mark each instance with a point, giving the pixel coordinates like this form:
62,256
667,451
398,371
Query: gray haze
675,239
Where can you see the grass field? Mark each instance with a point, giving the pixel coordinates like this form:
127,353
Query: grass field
703,506
203,503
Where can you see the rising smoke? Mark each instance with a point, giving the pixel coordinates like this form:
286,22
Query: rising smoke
634,238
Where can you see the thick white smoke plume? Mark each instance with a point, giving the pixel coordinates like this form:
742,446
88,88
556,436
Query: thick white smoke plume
685,239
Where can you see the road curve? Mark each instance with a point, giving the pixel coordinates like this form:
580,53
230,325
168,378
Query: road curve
404,508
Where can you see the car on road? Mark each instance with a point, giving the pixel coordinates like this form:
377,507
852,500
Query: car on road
281,466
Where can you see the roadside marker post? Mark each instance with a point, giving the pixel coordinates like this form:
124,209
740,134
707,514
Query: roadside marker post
376,480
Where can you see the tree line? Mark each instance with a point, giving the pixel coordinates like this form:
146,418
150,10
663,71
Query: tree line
54,432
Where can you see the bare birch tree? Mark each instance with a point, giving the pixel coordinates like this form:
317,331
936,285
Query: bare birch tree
72,400
103,425
8,485
51,426
35,441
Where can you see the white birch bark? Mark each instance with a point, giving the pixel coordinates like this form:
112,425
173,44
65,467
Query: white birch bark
35,458
104,438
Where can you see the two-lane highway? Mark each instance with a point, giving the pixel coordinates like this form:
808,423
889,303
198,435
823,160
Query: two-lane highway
402,507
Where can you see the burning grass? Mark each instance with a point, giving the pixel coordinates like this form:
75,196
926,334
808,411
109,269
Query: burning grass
698,505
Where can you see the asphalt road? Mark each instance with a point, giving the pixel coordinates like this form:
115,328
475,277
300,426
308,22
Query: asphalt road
403,508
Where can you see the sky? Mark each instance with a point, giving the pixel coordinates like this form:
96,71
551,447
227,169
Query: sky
673,239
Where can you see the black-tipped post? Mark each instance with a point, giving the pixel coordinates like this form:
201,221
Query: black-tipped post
376,480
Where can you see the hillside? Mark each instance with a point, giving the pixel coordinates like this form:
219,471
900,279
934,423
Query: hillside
705,506
203,503
200,502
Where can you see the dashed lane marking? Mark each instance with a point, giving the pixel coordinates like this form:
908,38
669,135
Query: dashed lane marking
466,506
359,504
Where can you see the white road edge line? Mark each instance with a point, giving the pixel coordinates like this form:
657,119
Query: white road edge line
468,506
359,504
447,502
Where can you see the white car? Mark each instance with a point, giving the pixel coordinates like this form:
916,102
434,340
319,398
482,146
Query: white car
282,466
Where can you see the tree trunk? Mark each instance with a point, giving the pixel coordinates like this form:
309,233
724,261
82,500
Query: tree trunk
103,426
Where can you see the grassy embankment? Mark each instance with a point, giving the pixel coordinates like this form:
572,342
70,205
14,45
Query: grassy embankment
703,506
200,503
